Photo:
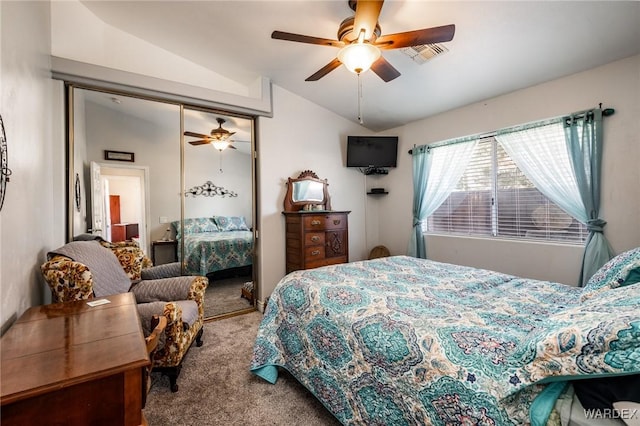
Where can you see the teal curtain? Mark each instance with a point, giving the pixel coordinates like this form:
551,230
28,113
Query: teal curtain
583,134
436,172
421,165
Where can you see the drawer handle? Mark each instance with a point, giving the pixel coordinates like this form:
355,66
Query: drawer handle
315,239
315,222
315,252
336,221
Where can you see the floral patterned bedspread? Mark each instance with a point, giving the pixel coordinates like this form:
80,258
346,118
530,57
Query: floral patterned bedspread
207,252
405,341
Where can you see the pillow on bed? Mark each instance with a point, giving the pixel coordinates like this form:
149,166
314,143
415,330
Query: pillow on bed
196,225
598,337
622,270
231,223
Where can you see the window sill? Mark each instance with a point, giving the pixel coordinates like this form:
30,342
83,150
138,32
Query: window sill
506,240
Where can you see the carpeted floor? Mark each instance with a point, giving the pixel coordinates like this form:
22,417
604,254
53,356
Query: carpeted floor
223,296
216,387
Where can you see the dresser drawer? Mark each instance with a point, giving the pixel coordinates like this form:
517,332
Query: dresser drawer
313,253
314,222
335,222
313,239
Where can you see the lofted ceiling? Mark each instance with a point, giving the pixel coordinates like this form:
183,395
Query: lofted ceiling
498,47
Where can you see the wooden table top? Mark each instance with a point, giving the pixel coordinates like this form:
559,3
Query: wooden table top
61,344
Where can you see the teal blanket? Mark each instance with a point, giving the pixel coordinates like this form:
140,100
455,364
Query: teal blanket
207,252
406,341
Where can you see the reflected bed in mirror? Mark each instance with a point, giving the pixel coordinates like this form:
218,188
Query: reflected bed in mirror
307,192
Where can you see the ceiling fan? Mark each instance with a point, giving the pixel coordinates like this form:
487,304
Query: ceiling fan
219,137
360,36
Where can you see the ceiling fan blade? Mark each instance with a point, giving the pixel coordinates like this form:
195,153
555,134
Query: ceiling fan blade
195,135
384,69
281,35
417,37
232,147
324,70
200,142
367,13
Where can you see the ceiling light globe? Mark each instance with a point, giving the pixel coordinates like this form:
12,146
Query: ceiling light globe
358,57
220,145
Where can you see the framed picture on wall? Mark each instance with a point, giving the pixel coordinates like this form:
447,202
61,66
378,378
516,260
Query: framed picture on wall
119,156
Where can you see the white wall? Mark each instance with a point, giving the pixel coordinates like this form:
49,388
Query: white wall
128,188
616,85
32,218
202,164
155,145
300,136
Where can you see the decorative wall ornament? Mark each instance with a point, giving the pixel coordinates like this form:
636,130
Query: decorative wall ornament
209,189
78,194
5,171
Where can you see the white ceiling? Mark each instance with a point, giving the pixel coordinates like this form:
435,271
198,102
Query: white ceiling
153,113
498,47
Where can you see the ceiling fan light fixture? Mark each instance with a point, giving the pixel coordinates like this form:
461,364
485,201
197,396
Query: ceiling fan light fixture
359,56
220,134
220,145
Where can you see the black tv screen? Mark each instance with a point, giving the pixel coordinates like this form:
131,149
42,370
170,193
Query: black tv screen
372,151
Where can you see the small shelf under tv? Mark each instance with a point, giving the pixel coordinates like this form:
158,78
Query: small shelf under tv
378,191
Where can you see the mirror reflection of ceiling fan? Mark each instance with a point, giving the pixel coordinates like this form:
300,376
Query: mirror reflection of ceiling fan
219,137
360,41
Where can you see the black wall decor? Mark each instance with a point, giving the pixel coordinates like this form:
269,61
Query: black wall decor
209,189
5,172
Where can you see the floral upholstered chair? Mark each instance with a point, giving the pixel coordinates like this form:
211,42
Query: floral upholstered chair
87,269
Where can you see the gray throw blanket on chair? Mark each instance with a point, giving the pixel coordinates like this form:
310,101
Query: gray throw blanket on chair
108,275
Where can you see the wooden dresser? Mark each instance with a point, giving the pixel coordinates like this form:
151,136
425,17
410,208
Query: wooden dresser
316,238
72,364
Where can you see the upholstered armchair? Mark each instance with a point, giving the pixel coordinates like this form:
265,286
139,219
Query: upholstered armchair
87,269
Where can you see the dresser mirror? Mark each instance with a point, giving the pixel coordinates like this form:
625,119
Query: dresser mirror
307,192
165,181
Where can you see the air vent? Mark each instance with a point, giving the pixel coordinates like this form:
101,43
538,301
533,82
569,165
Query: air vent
424,52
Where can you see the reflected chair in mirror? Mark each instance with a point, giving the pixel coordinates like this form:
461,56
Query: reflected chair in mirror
92,269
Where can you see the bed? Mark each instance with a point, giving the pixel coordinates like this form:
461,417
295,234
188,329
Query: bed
400,340
213,244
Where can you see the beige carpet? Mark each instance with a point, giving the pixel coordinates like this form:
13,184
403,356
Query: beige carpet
216,387
223,296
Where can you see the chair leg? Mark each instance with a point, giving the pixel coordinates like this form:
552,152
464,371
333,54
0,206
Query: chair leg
173,374
199,341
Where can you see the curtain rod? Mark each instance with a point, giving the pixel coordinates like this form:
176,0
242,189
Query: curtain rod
607,112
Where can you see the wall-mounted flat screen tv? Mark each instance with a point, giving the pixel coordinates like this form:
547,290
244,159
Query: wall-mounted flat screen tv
372,151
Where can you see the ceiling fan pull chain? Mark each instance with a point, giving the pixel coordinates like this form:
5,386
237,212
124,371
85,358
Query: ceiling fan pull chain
220,171
360,100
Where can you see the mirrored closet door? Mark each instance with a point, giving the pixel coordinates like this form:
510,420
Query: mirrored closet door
136,174
217,235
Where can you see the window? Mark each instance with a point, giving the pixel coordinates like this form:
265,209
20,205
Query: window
495,199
